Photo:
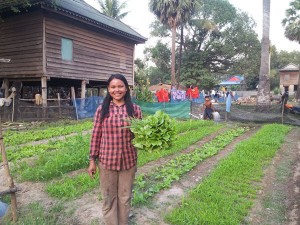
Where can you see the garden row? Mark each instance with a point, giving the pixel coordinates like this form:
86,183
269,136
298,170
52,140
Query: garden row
227,194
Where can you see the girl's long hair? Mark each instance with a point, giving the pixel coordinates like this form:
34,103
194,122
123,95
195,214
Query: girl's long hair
108,98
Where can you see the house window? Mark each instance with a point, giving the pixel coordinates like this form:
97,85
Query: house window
295,88
67,49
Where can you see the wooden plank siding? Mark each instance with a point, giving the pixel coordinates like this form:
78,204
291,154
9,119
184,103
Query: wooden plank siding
21,39
291,79
95,55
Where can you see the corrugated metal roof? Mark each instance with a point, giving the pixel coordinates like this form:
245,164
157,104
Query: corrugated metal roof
83,10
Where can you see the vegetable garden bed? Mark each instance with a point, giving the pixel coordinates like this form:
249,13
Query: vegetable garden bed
225,195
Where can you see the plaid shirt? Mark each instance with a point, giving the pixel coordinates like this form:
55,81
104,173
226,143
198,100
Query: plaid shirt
111,142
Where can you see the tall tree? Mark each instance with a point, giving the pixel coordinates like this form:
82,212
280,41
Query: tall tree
113,8
263,93
292,29
172,13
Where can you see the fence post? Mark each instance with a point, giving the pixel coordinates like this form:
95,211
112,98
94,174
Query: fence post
12,188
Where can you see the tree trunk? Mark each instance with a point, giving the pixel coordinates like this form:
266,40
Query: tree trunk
263,93
173,79
180,54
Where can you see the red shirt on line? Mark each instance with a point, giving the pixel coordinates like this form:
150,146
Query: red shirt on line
111,142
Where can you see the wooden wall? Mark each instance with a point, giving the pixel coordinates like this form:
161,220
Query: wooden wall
292,78
95,55
21,40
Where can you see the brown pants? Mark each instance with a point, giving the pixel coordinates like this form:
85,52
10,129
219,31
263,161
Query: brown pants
116,189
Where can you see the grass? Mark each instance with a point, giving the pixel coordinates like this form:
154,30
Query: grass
72,156
70,187
12,138
274,203
35,214
226,195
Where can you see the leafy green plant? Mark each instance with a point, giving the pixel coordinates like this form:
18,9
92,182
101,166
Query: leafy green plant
155,132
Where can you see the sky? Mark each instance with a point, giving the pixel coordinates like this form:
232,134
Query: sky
140,18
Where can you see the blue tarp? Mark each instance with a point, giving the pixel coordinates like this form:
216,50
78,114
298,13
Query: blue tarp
3,208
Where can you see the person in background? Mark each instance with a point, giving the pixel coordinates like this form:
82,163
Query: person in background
111,146
228,104
284,99
208,109
189,92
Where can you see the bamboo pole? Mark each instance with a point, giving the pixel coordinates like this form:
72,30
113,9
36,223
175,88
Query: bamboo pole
58,98
13,108
74,99
9,177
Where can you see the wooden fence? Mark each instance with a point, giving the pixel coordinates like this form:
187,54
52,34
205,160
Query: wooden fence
22,111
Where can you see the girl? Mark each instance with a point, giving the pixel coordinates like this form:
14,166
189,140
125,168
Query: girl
111,146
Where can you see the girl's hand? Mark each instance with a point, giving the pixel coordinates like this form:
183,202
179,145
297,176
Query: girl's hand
92,169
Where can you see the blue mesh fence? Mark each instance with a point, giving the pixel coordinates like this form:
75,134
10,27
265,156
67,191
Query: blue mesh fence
174,109
86,108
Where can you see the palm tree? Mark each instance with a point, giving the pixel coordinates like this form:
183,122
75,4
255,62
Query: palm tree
292,21
113,8
172,13
263,93
292,29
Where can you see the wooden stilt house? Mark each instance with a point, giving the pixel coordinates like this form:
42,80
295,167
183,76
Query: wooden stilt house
58,46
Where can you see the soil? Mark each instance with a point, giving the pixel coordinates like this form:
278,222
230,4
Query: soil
87,209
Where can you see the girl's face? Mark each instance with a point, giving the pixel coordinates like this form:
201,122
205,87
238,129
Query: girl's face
117,91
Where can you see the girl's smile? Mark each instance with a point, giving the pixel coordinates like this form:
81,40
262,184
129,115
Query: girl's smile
117,91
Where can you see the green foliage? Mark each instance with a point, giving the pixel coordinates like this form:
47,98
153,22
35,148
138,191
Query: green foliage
188,132
218,39
113,8
71,187
160,56
34,214
12,138
227,194
291,22
276,91
154,133
71,156
141,89
181,141
147,185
